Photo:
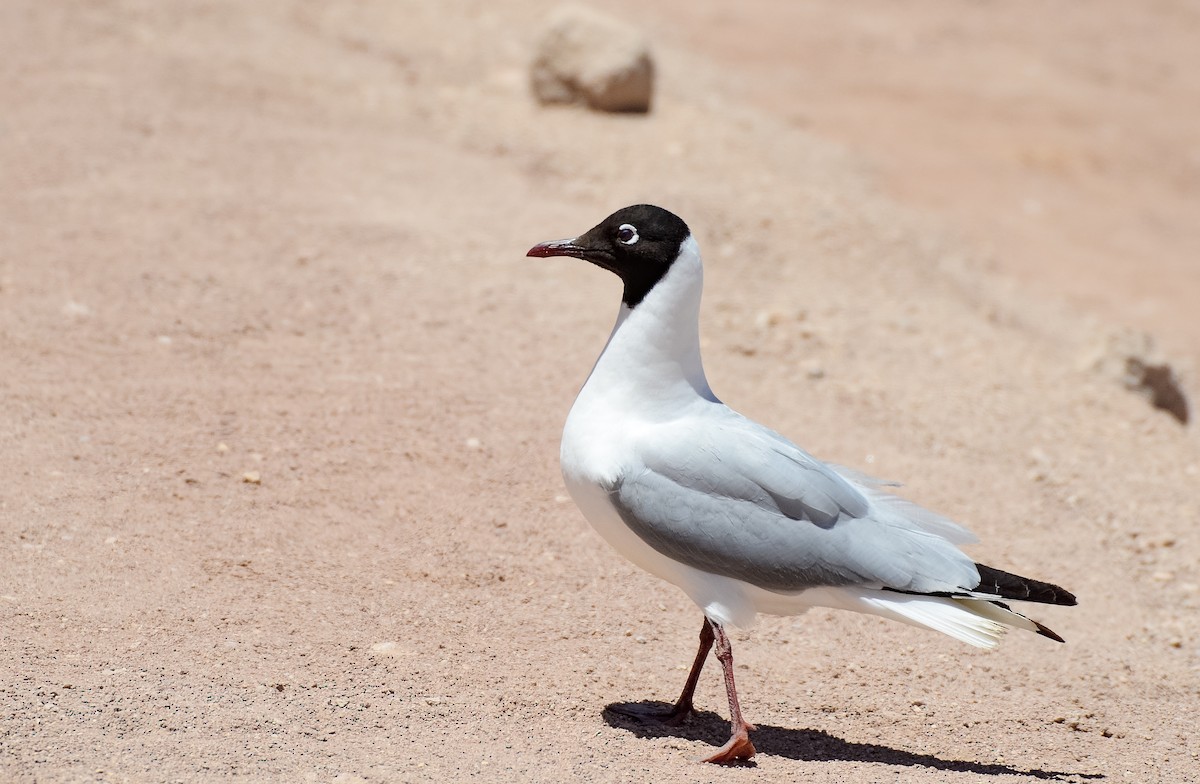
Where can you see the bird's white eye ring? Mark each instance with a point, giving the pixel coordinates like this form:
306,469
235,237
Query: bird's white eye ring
626,234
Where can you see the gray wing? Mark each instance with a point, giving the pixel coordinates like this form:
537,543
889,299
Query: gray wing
736,499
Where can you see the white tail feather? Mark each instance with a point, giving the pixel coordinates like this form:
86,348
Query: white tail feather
947,616
973,621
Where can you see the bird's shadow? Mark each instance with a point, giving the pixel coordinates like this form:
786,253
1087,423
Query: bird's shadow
808,745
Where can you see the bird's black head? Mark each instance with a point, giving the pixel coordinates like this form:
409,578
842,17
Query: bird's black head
638,243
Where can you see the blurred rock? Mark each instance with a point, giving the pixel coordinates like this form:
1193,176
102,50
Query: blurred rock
586,57
1128,356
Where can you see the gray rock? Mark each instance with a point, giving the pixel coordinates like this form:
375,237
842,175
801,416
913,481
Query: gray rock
586,57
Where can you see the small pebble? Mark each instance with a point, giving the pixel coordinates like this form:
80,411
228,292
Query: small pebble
390,648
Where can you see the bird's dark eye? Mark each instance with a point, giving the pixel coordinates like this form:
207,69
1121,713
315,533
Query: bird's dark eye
626,234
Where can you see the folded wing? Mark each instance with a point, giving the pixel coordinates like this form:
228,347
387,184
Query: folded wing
741,501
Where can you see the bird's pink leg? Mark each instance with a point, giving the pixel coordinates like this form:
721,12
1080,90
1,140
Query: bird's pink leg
738,747
683,706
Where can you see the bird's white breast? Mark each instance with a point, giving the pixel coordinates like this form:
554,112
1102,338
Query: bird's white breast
596,452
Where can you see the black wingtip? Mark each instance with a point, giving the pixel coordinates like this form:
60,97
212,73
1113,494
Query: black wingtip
1045,632
1011,586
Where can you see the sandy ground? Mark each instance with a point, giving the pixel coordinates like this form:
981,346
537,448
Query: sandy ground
282,396
1061,140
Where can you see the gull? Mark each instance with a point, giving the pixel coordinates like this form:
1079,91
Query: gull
734,514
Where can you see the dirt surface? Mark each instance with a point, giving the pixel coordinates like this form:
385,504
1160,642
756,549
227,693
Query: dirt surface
282,395
1061,139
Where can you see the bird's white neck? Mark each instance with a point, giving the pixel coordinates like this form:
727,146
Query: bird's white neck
652,359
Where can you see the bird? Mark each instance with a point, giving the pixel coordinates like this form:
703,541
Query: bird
731,512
